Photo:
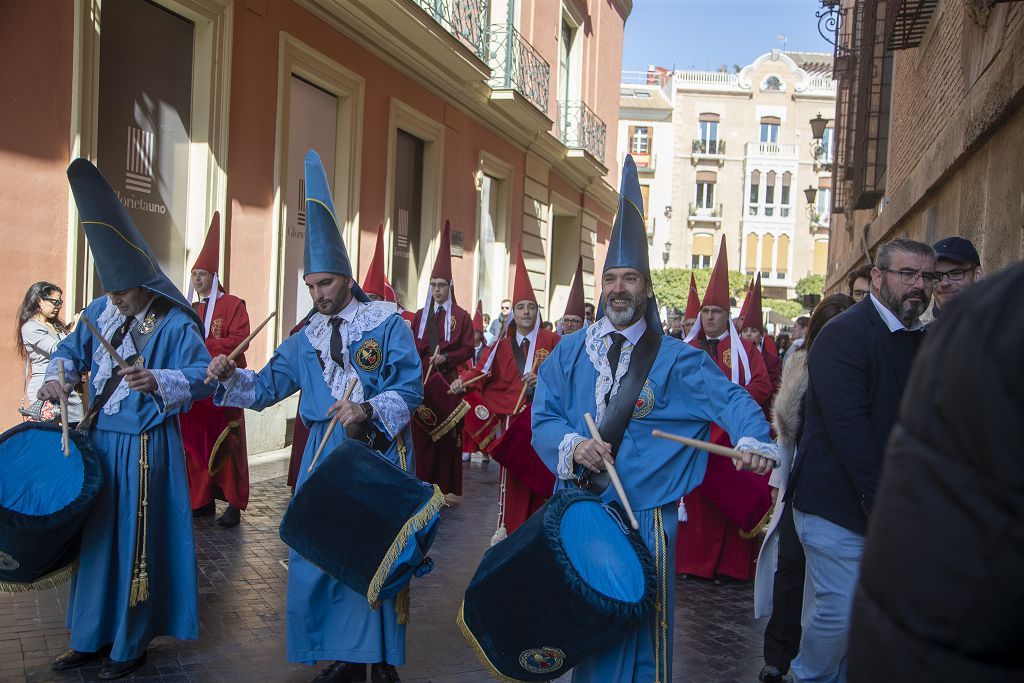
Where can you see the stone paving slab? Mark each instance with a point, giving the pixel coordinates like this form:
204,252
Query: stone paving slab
242,590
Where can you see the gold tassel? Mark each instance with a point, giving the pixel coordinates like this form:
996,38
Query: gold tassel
140,574
402,605
402,453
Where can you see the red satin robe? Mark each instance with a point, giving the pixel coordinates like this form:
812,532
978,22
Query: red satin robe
440,462
206,424
500,392
709,541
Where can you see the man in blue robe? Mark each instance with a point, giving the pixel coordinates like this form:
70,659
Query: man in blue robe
683,393
348,337
136,577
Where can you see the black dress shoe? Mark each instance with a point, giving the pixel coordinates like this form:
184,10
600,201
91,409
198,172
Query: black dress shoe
384,673
206,510
72,659
770,674
342,672
231,517
113,669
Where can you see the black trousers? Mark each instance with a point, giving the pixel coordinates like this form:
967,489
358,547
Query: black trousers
782,635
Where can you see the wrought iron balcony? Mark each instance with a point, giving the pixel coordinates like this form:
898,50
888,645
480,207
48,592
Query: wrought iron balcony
708,147
464,19
580,128
516,65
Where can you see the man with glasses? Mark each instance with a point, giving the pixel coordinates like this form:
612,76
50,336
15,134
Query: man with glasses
858,283
857,370
958,265
499,322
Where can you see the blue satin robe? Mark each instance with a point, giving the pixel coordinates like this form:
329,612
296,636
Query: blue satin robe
685,392
98,605
326,620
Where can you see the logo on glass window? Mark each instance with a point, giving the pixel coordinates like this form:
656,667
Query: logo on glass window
138,176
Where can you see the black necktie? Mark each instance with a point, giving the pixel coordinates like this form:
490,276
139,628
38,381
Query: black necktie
712,347
615,350
336,345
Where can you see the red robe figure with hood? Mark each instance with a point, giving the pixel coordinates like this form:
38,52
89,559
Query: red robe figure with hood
214,438
721,513
753,331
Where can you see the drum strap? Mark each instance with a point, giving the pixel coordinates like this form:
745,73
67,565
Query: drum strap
141,341
620,408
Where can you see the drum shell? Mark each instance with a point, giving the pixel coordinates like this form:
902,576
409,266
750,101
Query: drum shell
44,547
522,598
440,411
358,512
481,426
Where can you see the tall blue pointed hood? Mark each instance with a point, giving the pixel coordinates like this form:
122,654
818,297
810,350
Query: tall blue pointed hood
123,259
628,247
325,251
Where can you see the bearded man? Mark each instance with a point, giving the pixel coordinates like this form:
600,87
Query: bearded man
857,370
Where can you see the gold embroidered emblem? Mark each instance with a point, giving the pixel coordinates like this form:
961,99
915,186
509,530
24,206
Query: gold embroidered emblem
148,324
426,416
644,402
217,328
451,324
369,355
139,362
727,358
541,355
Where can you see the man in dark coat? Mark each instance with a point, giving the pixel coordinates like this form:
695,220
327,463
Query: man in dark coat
856,374
940,590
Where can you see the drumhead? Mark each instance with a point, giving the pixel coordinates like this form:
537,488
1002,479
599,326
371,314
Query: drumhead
597,545
36,479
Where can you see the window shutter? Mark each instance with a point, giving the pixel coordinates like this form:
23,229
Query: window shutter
709,117
707,177
771,120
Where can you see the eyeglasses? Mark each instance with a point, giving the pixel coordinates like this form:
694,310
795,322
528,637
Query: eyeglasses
858,294
56,303
953,275
909,277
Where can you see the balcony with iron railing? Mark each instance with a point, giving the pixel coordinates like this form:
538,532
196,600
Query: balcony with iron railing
771,212
520,77
704,214
466,20
582,132
707,149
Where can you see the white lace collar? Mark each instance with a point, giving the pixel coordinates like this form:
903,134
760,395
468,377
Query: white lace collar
367,317
107,324
597,351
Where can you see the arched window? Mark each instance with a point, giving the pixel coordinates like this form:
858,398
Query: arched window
772,84
782,259
750,261
769,194
820,264
755,192
767,245
784,195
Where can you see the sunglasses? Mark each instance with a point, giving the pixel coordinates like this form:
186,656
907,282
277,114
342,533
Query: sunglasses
57,303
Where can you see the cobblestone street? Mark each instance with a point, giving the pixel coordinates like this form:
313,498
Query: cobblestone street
242,590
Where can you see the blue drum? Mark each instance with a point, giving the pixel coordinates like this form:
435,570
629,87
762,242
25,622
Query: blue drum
45,499
564,585
364,521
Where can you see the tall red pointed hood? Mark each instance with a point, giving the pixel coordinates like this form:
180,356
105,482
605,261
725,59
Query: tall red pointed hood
209,257
575,305
443,263
717,293
376,282
692,301
523,290
478,316
752,312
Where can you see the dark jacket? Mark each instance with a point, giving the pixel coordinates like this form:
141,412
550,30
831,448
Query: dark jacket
857,370
940,595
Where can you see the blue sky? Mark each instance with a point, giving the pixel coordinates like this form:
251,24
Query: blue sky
703,34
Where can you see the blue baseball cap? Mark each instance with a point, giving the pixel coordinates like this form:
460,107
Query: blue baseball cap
956,249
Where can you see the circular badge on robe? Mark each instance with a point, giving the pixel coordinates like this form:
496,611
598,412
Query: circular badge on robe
481,412
727,358
217,328
451,324
542,660
540,355
8,563
644,402
369,355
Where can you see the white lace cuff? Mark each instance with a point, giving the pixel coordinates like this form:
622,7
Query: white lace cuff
173,389
565,449
239,391
70,376
390,411
749,444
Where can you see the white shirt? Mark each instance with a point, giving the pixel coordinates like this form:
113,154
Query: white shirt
141,315
631,333
891,321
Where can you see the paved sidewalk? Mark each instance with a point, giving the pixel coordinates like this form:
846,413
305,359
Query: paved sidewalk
242,587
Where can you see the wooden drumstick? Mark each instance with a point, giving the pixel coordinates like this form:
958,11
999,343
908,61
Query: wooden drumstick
522,394
467,382
245,343
106,345
701,445
63,408
330,428
594,434
431,368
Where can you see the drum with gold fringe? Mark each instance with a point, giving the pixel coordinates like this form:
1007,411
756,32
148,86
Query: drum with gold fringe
45,498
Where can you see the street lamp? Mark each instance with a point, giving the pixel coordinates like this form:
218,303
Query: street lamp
665,254
668,211
811,193
818,125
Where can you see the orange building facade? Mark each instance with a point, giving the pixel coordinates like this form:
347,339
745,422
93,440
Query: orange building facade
498,116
